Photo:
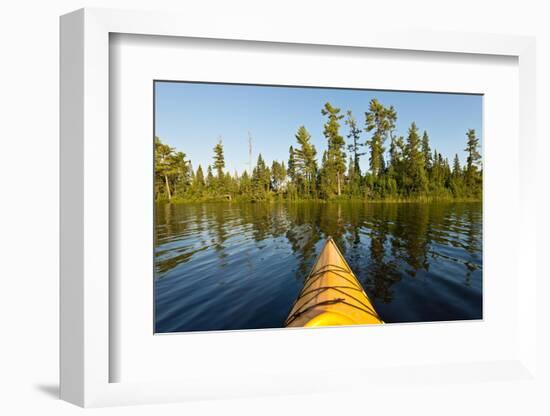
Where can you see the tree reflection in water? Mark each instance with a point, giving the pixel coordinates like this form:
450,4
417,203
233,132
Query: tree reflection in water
401,253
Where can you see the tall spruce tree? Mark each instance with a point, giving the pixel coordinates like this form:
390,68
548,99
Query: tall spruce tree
397,164
305,163
278,175
219,160
354,147
325,174
457,170
210,179
416,174
261,178
336,157
473,159
379,120
245,184
426,151
291,164
456,182
198,182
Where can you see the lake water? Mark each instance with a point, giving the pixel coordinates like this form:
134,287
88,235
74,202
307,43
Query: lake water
241,266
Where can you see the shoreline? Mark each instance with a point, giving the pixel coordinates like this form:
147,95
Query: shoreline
325,201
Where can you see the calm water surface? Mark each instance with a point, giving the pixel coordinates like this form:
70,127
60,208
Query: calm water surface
241,266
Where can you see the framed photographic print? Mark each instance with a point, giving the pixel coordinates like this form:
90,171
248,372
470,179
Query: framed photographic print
223,195
315,206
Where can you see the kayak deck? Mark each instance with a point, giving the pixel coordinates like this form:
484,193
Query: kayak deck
332,295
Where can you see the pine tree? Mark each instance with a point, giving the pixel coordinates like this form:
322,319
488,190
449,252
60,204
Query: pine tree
415,175
267,179
381,121
291,164
228,184
426,151
219,161
291,172
473,161
191,174
261,178
305,163
457,170
245,184
438,172
336,157
355,146
456,183
396,168
182,170
325,175
171,169
198,181
354,179
209,178
447,172
278,175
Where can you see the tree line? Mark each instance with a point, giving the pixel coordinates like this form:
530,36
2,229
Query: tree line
399,168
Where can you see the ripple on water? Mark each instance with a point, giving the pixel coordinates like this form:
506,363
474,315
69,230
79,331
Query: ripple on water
241,266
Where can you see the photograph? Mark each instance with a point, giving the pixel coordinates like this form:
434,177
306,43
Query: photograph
296,206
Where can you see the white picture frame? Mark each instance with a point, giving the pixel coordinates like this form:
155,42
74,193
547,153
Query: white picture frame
85,352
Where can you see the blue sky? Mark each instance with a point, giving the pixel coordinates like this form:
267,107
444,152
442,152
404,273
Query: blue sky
192,118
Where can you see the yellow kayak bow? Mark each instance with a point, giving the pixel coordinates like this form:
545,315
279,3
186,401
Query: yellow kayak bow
332,295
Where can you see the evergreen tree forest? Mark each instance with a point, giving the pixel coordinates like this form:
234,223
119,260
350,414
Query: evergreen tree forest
399,168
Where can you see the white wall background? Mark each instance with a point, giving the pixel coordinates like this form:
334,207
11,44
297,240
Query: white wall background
29,56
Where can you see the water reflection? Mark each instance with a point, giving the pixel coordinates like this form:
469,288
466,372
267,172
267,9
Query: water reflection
416,261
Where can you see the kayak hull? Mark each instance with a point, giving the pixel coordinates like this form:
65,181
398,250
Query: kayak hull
332,295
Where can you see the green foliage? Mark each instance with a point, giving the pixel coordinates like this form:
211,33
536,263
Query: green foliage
210,182
261,180
305,164
380,121
171,171
416,182
291,164
245,184
198,184
472,173
456,183
409,171
219,160
334,164
355,146
427,152
278,176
